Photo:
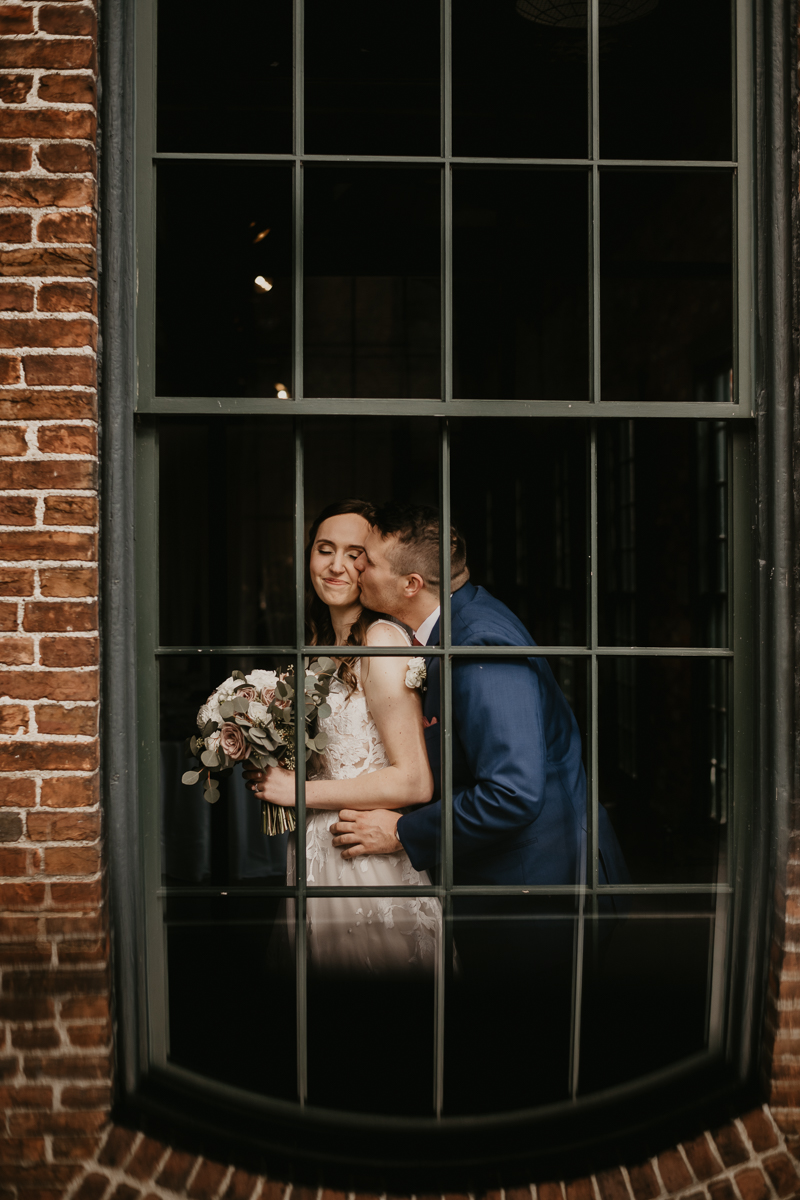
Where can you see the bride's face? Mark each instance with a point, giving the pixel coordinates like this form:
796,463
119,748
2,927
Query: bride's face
338,544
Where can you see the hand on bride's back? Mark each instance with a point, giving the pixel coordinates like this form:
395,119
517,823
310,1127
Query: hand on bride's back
274,784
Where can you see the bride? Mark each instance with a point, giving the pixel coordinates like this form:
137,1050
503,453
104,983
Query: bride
375,758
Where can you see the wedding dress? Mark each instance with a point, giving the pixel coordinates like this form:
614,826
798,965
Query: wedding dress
372,934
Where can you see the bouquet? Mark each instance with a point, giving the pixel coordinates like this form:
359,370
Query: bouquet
253,718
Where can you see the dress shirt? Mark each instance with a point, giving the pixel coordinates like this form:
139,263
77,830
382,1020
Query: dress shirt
426,628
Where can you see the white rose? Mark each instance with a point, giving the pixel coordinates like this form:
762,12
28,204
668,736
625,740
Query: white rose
204,716
417,673
212,741
257,712
262,679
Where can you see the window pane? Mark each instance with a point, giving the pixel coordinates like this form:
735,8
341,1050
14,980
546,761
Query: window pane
231,991
666,286
226,543
204,843
663,728
520,284
225,85
663,533
371,78
519,81
514,970
371,292
665,81
223,280
372,961
518,494
647,987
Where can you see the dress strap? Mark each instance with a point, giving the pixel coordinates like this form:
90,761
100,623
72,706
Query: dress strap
393,625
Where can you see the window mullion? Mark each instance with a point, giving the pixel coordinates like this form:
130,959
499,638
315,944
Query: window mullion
300,769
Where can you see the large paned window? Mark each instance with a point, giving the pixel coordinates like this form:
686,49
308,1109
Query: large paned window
493,256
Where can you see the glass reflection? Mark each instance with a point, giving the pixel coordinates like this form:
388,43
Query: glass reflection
231,1002
371,291
665,82
647,988
663,533
666,243
519,82
520,284
371,79
226,543
224,279
204,843
225,84
525,525
663,730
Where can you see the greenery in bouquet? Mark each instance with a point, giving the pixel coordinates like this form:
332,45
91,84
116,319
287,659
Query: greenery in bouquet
253,718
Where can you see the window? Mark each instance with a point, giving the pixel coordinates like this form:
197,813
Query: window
497,258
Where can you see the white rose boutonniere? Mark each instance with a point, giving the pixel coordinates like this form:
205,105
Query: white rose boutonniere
417,673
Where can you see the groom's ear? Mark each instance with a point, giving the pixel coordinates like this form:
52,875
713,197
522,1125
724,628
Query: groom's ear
413,586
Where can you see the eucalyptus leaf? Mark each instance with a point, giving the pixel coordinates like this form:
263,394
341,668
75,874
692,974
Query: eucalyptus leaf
209,758
211,795
227,709
190,777
239,675
324,711
327,664
209,728
321,740
240,704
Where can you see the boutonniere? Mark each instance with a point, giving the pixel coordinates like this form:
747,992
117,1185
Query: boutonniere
416,674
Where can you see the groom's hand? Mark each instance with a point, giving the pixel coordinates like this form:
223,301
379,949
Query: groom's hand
373,832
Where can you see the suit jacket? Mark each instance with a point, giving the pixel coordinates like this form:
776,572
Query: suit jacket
519,787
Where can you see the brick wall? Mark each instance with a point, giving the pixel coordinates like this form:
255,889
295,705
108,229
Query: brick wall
56,1139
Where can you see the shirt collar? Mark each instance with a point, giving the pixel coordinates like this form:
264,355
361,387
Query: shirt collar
426,628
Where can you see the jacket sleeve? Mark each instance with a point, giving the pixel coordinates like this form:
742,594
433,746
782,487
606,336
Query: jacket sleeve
497,716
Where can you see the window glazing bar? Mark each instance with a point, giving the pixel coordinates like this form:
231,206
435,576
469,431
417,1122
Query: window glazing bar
457,651
667,164
436,407
300,768
191,891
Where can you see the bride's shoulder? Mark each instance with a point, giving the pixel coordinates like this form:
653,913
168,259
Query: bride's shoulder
387,633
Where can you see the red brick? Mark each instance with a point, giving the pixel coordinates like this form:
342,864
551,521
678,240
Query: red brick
49,685
22,1124
22,954
70,616
17,581
17,510
8,610
752,1185
16,297
67,89
15,19
18,1150
26,1008
176,1171
85,1008
46,122
37,1038
19,927
66,297
34,192
14,862
50,333
730,1145
66,825
47,405
117,1148
59,55
63,158
48,756
15,227
36,260
16,652
781,1171
10,369
274,1190
61,370
86,1097
242,1185
76,953
89,1037
52,544
673,1171
27,1096
206,1182
14,88
73,926
66,581
75,21
79,1148
69,793
72,860
9,1065
50,474
546,1191
17,793
123,1191
15,158
76,895
21,895
67,227
93,1187
149,1154
68,439
69,652
70,510
577,1189
13,719
56,982
12,437
55,720
759,1130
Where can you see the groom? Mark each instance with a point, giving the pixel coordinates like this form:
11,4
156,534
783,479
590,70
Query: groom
519,787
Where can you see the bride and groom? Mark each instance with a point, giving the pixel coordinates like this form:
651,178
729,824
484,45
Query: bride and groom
373,795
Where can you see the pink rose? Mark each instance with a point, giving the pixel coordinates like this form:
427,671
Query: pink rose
247,691
267,696
233,742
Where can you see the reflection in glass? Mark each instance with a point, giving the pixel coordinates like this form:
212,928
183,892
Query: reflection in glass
646,988
663,732
381,995
663,533
232,1008
371,291
225,84
520,284
226,535
525,524
666,244
519,86
203,843
665,82
371,78
514,973
223,279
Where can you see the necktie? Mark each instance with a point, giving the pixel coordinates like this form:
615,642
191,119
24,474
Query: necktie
415,641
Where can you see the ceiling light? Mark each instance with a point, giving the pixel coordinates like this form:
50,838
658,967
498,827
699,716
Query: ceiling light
263,284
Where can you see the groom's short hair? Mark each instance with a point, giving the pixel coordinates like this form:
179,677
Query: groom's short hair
416,551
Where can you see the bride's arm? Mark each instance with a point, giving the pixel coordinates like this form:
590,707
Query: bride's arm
397,712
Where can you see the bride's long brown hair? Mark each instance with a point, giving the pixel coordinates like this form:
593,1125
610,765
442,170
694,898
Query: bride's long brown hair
319,627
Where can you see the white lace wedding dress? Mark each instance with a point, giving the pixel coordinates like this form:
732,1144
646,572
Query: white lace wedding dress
376,934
